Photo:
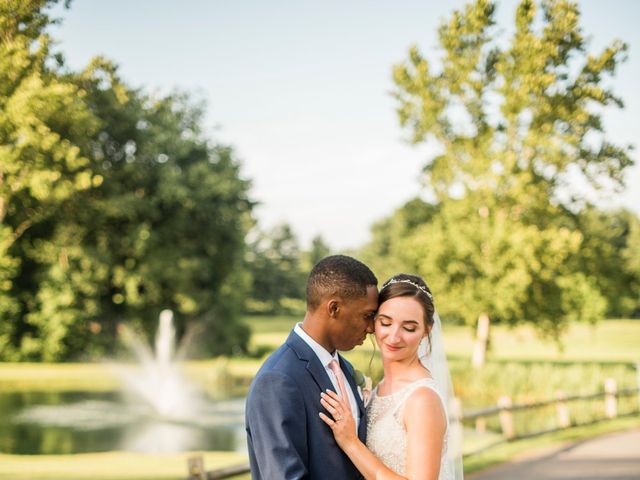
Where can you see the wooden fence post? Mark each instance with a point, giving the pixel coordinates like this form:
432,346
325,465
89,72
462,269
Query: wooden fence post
610,399
455,411
638,382
562,410
506,417
196,468
481,424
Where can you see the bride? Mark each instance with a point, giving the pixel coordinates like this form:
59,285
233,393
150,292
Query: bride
408,428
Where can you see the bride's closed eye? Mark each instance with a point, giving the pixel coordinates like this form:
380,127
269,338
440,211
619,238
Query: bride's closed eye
384,322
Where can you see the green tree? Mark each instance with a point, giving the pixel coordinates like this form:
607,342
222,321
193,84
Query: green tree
631,256
278,282
605,256
513,120
164,230
143,212
385,253
485,263
44,129
510,121
319,249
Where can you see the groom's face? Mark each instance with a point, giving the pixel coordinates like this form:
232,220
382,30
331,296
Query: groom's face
354,320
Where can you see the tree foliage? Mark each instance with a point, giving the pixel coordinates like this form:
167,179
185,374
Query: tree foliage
115,206
609,255
513,120
274,260
44,126
511,123
386,254
319,249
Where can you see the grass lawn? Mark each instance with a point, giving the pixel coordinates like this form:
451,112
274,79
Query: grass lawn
108,466
97,377
57,376
608,341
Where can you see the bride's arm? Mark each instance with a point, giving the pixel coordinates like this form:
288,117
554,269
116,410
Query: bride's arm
424,421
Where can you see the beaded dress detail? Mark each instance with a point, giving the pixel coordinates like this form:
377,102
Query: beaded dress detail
386,436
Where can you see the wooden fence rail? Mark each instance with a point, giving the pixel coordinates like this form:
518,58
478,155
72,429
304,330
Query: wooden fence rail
504,410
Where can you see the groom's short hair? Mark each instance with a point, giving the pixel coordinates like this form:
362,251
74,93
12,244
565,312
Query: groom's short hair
338,275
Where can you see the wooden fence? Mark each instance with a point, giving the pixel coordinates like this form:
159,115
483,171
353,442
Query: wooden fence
504,410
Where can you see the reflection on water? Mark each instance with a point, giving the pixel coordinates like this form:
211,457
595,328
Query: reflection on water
79,422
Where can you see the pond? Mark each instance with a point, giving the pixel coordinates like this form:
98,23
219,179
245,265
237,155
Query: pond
55,423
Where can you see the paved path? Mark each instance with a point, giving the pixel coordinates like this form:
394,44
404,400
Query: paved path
610,457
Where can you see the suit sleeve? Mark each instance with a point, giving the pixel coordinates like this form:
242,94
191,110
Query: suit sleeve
276,427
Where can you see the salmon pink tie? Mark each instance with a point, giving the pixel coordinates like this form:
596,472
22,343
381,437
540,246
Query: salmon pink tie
335,368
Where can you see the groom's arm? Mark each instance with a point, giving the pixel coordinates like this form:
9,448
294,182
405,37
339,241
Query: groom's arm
277,428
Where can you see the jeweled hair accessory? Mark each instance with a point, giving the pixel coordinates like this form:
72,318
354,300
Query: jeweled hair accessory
411,282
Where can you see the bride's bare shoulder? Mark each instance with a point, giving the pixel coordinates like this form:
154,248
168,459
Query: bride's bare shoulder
423,396
424,405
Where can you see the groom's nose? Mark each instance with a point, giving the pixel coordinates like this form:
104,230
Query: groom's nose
370,327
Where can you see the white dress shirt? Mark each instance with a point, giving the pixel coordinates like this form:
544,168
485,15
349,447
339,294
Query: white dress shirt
326,357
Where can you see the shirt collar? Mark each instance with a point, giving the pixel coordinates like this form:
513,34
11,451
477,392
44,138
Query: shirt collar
322,354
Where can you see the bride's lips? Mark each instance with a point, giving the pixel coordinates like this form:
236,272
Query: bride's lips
392,348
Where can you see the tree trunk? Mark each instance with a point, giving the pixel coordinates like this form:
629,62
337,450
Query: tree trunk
482,338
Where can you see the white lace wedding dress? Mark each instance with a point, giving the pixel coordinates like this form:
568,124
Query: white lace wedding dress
386,436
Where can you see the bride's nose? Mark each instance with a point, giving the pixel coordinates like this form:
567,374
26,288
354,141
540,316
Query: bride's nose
394,335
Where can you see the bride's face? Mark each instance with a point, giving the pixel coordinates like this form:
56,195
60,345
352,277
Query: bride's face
399,328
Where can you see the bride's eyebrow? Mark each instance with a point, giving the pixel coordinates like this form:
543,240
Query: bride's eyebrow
410,321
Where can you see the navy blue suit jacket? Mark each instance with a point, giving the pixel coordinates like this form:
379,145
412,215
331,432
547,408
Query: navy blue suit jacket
287,440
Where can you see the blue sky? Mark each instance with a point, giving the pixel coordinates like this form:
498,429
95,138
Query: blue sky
301,91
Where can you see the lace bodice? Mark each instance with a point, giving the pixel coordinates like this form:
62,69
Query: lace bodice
386,436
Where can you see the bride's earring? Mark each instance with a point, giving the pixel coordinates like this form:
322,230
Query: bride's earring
423,348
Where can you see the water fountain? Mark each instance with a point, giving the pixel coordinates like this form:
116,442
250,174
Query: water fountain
158,411
158,382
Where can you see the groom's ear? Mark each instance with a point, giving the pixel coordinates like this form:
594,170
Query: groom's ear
333,307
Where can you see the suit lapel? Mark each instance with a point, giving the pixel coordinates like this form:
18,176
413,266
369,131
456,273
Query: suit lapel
314,367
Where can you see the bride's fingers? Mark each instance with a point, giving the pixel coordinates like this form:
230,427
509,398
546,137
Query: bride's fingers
330,398
342,400
333,395
327,420
329,406
337,404
333,409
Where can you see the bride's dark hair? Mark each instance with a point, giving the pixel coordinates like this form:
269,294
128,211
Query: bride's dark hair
406,285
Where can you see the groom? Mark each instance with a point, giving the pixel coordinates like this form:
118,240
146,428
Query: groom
287,440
